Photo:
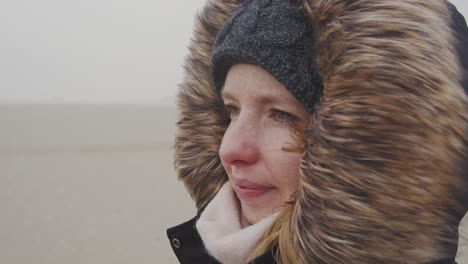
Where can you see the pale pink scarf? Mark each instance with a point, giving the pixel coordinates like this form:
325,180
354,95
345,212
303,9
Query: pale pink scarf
222,228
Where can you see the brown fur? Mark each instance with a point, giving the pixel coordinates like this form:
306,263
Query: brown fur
381,165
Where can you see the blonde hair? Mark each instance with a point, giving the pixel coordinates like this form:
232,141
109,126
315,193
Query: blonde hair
279,238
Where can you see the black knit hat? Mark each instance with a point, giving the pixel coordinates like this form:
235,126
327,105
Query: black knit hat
275,35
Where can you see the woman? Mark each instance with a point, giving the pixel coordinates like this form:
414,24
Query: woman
324,132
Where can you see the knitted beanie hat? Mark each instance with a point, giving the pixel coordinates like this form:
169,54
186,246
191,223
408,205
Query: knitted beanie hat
275,35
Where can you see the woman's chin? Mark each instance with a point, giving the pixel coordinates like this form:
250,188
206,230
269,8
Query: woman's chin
255,213
253,216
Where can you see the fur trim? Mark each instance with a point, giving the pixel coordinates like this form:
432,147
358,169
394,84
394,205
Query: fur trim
382,164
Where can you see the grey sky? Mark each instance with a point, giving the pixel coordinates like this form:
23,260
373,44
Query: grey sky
96,50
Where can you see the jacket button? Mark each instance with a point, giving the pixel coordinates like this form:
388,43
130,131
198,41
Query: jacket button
176,243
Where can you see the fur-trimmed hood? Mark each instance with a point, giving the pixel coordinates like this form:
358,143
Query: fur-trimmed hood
384,170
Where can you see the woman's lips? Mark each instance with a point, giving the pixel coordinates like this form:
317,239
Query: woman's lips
248,190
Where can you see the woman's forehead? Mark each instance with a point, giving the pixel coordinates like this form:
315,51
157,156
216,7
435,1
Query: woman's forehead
251,81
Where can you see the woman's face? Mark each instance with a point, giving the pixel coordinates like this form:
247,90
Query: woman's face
262,111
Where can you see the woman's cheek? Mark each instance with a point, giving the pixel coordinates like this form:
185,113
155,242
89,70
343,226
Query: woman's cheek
291,171
278,138
284,165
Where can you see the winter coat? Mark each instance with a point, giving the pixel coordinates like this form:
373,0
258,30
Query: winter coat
189,248
384,176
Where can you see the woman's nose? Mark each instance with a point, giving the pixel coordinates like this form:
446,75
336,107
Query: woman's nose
240,144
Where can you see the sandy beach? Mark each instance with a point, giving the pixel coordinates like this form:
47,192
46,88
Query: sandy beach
88,184
93,184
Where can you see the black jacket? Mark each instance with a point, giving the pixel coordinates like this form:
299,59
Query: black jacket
189,248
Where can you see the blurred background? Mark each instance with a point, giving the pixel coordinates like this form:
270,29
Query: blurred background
87,121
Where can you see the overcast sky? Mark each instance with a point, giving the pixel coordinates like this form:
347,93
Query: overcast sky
97,51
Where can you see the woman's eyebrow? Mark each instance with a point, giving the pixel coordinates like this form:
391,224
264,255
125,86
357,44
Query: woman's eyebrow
227,96
263,99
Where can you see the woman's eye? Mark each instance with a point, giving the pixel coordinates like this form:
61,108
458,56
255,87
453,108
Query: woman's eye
283,117
231,110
